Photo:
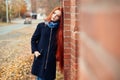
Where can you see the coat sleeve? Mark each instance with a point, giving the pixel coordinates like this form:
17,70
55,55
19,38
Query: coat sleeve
35,38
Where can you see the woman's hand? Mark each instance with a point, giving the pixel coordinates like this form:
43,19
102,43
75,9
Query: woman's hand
36,53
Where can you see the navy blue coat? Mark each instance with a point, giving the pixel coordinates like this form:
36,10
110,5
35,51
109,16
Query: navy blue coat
44,41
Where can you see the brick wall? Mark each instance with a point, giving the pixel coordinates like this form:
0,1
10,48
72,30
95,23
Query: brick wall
91,39
71,39
100,40
67,40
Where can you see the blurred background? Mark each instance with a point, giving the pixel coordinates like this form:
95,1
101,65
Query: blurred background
18,20
37,9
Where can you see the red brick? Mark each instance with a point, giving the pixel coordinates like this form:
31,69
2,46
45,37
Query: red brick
67,44
66,39
72,43
73,73
67,56
67,67
66,9
67,33
77,26
67,50
67,16
66,74
67,62
66,28
73,17
72,26
78,48
75,66
73,2
87,2
73,9
67,3
67,21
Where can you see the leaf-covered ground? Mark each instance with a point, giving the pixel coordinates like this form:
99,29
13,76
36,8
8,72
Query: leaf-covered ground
15,55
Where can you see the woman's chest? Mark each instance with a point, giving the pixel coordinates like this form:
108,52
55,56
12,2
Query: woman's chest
47,32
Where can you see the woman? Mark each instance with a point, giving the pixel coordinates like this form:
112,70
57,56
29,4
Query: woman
47,46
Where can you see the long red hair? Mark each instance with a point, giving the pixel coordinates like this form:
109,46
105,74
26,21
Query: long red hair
59,36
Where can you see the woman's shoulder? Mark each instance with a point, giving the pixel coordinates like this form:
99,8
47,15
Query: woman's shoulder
41,24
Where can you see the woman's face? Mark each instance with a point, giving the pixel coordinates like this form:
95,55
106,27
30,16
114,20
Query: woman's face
56,15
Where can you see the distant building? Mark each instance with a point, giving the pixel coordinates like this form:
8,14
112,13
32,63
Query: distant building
33,6
38,7
43,7
38,4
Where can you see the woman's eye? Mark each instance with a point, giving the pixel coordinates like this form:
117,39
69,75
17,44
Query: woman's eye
53,12
58,16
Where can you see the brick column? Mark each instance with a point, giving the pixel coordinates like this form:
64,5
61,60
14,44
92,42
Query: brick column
92,39
67,39
75,40
71,39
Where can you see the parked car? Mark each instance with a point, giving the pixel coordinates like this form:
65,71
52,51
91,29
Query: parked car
28,18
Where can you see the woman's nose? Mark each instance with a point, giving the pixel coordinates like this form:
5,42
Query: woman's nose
55,15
